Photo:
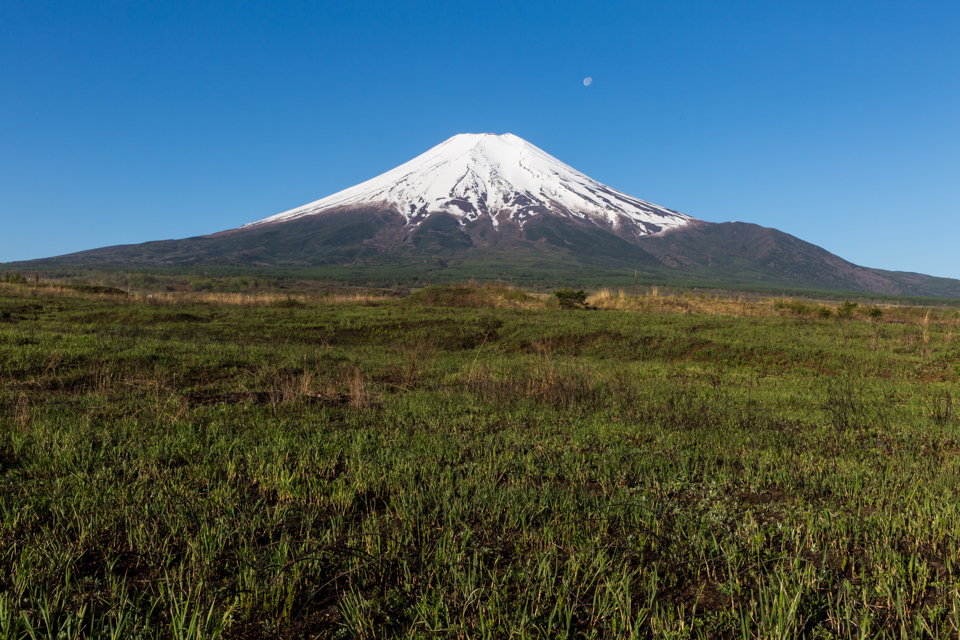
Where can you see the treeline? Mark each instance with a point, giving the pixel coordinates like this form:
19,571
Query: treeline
18,278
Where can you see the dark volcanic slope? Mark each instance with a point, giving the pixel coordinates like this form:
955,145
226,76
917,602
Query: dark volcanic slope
364,235
334,238
729,254
748,253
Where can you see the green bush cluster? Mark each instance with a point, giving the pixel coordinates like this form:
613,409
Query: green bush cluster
846,309
800,308
570,299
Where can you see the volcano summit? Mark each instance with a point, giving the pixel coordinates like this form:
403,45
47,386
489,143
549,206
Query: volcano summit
501,178
495,206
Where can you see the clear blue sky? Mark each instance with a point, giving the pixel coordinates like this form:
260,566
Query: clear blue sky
835,121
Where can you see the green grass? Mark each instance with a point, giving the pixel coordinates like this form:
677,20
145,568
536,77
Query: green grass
471,463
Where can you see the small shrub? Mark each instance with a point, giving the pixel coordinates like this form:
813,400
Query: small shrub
288,303
845,310
97,289
467,297
875,313
798,307
472,296
570,299
824,312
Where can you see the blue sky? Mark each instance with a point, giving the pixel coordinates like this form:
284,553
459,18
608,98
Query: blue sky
837,122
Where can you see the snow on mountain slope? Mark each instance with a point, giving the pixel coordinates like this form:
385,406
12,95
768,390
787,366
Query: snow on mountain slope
502,177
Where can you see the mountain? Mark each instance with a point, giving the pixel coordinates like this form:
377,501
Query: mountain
491,205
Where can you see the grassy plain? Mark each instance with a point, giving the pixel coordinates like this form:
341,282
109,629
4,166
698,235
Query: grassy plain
475,463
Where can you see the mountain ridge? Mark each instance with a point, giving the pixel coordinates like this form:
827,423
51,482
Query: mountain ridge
478,197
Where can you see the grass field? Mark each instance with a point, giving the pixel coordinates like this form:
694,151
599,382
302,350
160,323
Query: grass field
475,463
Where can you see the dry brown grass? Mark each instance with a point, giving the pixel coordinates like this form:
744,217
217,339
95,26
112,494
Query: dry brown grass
45,290
255,299
498,295
347,384
21,412
544,382
491,295
651,301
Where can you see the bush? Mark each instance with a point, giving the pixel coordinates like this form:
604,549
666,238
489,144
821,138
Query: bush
462,296
570,299
288,303
472,296
845,310
97,289
798,307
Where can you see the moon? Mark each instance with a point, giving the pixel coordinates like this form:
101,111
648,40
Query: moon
587,81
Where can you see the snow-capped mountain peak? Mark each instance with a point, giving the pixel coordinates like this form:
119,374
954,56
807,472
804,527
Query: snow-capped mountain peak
502,177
